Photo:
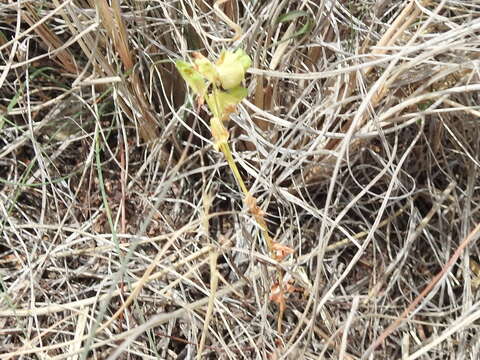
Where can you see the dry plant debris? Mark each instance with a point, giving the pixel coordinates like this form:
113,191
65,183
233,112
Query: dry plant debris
124,234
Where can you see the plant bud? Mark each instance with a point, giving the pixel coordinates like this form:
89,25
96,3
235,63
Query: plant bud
231,68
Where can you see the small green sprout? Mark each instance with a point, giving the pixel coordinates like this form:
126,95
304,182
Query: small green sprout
220,85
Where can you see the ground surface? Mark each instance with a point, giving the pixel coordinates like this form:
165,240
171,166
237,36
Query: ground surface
125,235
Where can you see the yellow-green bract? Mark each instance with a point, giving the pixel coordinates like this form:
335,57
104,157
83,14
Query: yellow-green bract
223,103
192,77
224,77
232,67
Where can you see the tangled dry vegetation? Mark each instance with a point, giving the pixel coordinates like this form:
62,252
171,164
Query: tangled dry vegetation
124,234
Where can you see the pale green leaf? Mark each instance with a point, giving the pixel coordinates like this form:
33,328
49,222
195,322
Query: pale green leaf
207,69
290,16
223,103
192,77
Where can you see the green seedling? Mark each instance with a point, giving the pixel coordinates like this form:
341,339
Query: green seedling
220,85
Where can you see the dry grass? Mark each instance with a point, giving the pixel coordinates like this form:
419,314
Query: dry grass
123,234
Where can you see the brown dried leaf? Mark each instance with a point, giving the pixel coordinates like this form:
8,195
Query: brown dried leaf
281,251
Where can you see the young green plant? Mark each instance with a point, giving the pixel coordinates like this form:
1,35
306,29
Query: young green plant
220,86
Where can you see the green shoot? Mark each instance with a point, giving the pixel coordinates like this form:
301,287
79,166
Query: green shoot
220,85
